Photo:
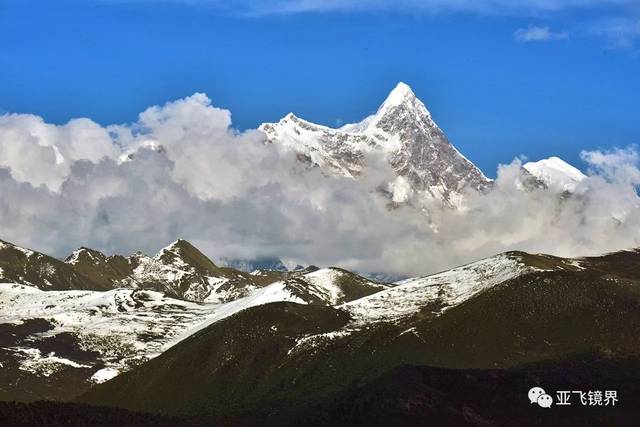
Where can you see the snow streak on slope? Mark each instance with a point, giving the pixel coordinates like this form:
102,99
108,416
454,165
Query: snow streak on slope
443,290
323,284
276,292
556,173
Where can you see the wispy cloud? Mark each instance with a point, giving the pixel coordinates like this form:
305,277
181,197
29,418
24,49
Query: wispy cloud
270,7
539,34
621,32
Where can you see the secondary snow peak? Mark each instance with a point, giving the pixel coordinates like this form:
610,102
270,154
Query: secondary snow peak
555,172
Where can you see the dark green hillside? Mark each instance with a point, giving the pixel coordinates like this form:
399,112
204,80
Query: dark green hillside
56,414
250,363
228,366
407,396
620,264
355,286
537,316
426,396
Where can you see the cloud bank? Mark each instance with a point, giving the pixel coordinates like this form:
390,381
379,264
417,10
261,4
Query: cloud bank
182,171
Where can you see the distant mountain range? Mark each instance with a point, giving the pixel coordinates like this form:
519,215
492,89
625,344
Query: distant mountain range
280,345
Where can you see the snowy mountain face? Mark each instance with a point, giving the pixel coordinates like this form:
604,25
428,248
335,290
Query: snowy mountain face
180,270
555,173
93,336
402,130
104,333
440,292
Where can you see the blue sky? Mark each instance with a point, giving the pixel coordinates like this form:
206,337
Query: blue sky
545,78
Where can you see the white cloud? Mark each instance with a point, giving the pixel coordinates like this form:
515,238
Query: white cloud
617,165
539,34
42,154
190,175
621,32
484,6
526,7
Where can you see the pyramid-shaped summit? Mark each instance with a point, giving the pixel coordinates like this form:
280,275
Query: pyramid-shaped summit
402,94
424,160
181,253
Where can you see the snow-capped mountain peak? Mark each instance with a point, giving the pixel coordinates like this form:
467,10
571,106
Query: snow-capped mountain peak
182,253
400,101
556,173
84,255
401,93
403,130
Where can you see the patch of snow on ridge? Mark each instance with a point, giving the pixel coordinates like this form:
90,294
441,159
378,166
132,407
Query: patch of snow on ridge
317,340
323,284
170,270
445,289
103,375
74,257
34,361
